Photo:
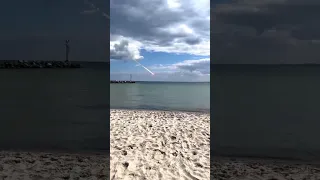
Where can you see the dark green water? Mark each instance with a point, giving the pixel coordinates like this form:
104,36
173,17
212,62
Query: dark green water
161,96
54,109
266,111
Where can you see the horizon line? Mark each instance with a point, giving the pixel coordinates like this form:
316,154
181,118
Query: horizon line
168,81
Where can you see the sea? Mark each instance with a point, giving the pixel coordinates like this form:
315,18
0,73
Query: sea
266,111
256,110
55,109
166,96
68,109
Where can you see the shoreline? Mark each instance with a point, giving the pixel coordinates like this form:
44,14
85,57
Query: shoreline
264,159
159,110
57,152
241,168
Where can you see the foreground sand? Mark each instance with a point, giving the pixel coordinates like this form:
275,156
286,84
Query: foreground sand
56,166
259,169
159,145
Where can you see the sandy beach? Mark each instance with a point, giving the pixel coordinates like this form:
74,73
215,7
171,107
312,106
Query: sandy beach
263,169
159,145
52,166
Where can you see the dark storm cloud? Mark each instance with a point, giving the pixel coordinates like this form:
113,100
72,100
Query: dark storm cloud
36,30
192,40
159,27
143,18
202,65
266,31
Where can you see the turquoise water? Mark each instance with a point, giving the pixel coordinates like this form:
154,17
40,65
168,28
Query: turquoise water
161,96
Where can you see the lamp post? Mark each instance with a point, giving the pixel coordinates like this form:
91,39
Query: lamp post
67,50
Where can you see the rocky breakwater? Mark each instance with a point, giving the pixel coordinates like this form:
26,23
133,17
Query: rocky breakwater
37,64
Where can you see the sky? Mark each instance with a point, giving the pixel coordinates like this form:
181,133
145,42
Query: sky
170,38
265,31
37,29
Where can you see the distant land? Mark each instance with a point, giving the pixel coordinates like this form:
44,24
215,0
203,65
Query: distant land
294,68
263,65
31,64
300,64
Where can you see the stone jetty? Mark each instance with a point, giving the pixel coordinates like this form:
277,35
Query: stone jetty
122,82
17,64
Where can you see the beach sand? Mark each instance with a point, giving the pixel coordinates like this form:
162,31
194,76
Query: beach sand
152,145
156,145
263,169
52,166
143,145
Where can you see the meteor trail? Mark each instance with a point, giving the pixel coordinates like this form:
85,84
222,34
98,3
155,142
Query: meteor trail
145,67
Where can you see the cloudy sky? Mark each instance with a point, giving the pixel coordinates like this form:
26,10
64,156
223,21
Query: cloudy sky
265,31
37,29
171,38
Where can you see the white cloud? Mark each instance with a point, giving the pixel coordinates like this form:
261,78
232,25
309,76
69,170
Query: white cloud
174,4
199,67
171,26
125,49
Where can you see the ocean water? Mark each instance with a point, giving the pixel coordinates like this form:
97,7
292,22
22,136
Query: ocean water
266,111
54,109
161,96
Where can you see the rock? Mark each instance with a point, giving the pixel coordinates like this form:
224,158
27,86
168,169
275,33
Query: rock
37,64
126,164
124,152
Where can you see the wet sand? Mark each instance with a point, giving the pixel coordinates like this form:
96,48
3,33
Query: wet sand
263,169
159,145
49,166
